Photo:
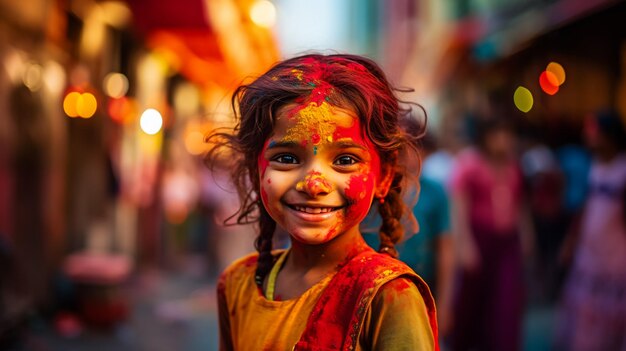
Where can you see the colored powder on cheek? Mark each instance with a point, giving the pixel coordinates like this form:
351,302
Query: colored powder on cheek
269,181
356,193
314,150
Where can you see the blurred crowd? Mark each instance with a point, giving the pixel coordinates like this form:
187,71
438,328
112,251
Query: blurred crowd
512,221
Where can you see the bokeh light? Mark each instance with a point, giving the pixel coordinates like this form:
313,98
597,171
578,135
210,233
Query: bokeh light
186,99
122,110
151,121
194,142
54,77
33,76
115,85
263,13
523,99
549,83
86,105
69,104
558,71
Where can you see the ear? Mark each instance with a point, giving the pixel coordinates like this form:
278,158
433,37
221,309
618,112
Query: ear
386,177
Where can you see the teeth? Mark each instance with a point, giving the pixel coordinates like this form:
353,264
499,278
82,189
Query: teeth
314,210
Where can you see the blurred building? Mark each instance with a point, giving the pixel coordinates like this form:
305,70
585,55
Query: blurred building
104,108
470,57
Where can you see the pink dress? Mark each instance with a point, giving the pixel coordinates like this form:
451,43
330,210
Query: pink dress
489,301
594,302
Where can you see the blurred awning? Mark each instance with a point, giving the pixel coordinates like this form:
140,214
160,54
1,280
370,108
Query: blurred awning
511,27
210,42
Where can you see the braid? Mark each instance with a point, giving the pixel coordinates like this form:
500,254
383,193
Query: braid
263,245
391,211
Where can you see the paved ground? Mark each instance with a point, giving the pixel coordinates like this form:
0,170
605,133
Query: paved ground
176,310
173,310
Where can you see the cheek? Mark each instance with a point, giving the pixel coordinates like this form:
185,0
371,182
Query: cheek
359,195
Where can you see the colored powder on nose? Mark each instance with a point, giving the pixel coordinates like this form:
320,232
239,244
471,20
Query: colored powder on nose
314,183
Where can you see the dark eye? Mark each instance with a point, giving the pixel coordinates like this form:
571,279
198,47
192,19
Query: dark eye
345,160
285,158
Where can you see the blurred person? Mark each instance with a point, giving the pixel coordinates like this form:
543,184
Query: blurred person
16,302
486,187
593,313
429,251
545,188
437,165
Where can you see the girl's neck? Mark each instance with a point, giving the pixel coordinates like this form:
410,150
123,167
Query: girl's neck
328,255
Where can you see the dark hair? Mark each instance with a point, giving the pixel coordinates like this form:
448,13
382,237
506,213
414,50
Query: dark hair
611,125
346,81
485,126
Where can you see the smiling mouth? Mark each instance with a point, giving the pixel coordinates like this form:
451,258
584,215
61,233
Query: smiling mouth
313,210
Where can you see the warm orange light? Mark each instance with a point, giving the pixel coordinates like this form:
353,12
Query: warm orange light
549,83
86,105
194,142
115,85
558,71
263,13
122,110
69,104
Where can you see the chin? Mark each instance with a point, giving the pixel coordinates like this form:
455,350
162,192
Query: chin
313,237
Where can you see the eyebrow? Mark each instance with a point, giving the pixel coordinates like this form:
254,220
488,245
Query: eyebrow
282,144
340,144
345,144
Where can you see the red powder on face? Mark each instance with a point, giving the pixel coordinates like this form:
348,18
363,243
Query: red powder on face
262,163
321,92
315,139
357,191
269,181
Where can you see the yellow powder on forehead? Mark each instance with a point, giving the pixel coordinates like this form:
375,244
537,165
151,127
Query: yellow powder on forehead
314,124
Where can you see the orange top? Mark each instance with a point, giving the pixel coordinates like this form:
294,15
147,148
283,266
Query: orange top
396,319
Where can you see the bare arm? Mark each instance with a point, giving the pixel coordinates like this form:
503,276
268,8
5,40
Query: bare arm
445,276
464,245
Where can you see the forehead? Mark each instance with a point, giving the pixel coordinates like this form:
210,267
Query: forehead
297,122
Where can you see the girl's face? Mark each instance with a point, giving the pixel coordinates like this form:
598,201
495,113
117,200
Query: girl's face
319,173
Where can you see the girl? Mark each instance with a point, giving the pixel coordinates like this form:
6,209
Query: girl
318,138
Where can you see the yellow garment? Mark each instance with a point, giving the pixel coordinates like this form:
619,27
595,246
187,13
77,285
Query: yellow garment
396,320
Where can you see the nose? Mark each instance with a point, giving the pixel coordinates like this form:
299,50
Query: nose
314,184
